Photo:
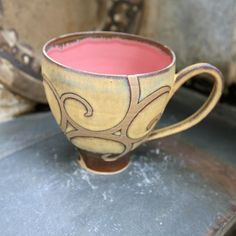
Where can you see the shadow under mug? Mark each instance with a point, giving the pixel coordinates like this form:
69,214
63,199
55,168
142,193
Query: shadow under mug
107,115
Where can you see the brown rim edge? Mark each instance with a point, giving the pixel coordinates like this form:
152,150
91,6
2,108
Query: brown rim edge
71,37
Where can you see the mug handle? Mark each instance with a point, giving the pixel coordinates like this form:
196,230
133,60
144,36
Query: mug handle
181,77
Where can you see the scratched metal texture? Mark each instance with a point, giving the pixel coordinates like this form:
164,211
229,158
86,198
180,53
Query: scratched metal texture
181,185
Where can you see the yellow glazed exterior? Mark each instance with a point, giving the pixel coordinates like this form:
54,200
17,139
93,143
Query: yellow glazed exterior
106,115
112,115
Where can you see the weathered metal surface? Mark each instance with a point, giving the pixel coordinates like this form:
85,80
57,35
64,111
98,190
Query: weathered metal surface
182,185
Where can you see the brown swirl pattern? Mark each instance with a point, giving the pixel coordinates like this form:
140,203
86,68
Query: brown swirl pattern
118,133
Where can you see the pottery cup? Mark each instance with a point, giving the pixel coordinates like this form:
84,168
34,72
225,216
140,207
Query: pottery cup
109,95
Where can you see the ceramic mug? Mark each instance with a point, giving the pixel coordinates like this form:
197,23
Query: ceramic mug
107,91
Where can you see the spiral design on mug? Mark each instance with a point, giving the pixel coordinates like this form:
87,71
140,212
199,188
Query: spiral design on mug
120,133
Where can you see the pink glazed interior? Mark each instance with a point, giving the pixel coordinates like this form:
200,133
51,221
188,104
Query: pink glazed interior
113,56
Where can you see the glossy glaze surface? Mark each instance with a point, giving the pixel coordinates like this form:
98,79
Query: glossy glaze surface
111,56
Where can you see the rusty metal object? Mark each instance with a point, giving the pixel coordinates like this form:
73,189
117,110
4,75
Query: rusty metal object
225,225
198,160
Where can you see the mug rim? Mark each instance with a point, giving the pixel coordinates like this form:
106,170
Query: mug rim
72,37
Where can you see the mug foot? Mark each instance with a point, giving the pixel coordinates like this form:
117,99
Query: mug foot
90,162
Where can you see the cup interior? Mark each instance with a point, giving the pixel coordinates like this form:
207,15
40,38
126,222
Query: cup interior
109,54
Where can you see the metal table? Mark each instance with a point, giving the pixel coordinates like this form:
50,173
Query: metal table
181,185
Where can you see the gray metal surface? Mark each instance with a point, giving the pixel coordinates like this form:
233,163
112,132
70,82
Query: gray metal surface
181,185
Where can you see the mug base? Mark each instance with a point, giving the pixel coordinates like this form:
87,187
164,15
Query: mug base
92,163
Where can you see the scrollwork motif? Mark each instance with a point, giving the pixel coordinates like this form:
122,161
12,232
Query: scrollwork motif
118,133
